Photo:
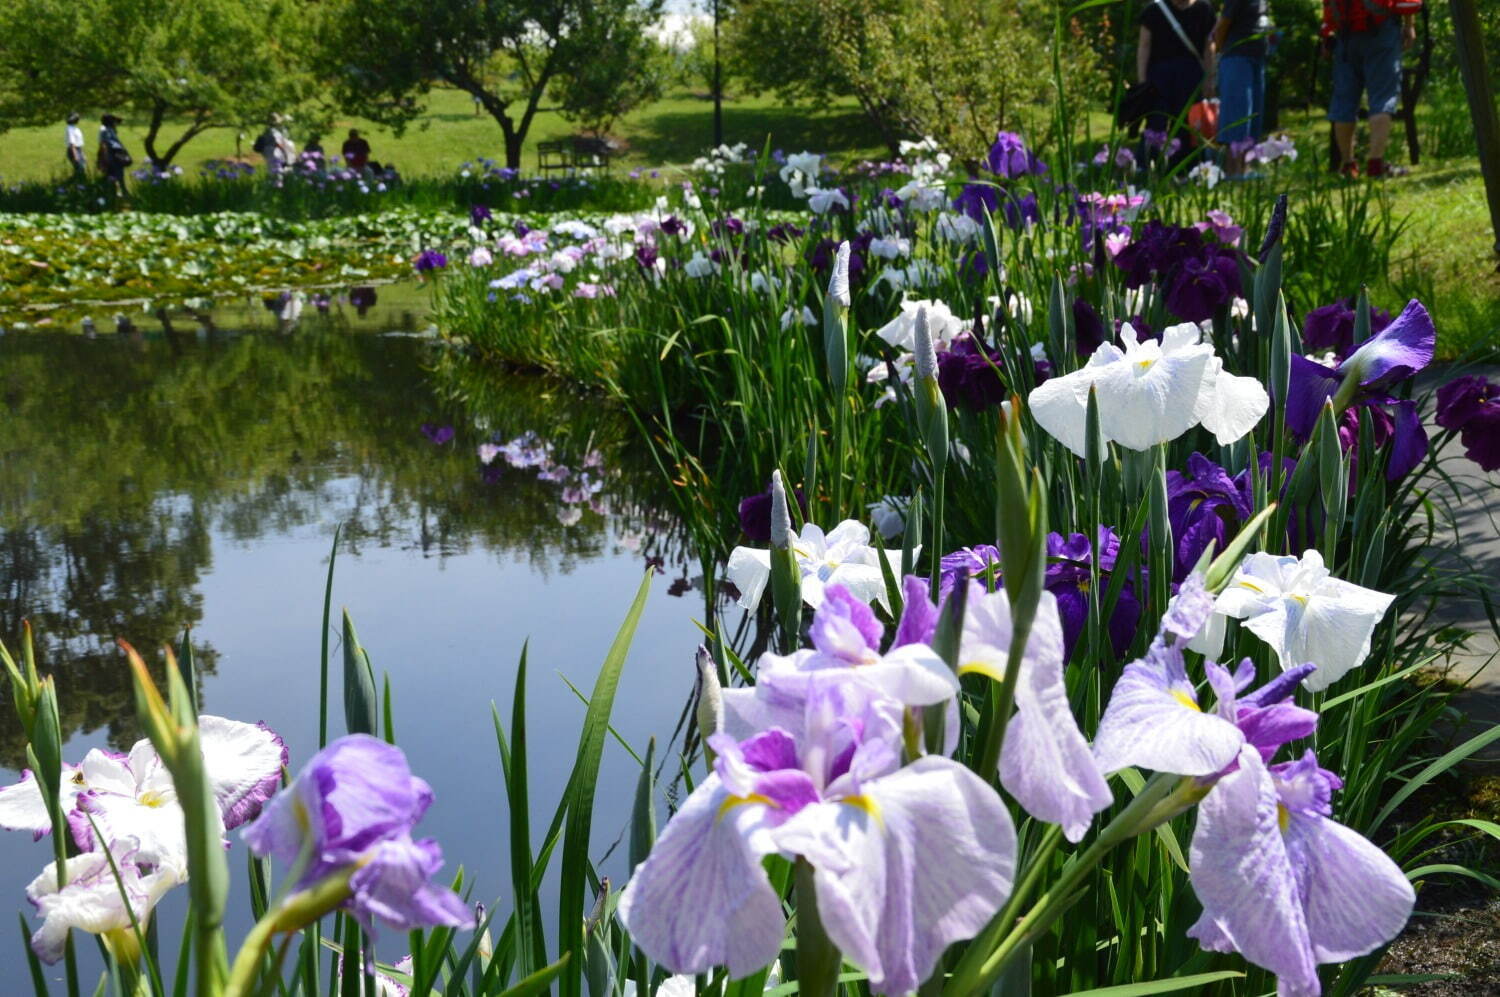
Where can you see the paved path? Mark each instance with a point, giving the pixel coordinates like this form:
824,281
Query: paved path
1476,515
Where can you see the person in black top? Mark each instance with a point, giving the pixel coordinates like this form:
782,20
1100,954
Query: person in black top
1241,37
1175,47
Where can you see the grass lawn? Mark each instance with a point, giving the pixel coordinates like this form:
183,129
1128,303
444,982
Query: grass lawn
675,129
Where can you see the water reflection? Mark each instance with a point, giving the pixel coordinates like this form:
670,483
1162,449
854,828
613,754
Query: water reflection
124,456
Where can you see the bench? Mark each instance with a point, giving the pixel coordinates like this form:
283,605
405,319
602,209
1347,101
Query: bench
572,155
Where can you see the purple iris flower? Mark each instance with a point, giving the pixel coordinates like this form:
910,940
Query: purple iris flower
1021,211
786,232
428,260
1471,405
1067,577
1331,327
889,198
354,805
975,199
728,225
479,214
1201,286
755,514
1088,328
646,255
1204,505
969,375
673,225
1157,249
1392,355
1009,157
836,795
437,434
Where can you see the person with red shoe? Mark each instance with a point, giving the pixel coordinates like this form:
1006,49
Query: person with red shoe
1367,38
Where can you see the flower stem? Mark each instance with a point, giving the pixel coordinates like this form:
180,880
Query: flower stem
818,959
982,964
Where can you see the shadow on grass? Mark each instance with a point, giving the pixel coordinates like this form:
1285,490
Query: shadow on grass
679,136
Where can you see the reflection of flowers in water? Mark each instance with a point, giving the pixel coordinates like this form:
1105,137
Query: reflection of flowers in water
437,434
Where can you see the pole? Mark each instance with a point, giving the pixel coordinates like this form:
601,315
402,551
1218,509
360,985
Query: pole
1469,44
718,85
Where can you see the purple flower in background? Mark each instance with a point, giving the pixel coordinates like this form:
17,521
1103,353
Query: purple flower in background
354,805
755,514
1204,505
1124,158
1331,327
646,256
1201,286
837,796
1154,139
437,434
1021,211
966,563
977,198
1088,328
479,214
673,225
786,232
1009,157
728,225
428,260
1392,355
1156,249
1471,405
362,298
969,375
1069,579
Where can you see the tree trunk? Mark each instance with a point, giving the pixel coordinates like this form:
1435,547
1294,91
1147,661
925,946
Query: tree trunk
1470,46
158,114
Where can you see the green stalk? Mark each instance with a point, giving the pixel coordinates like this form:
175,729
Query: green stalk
981,966
818,960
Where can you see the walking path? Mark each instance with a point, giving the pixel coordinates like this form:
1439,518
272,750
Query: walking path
1476,520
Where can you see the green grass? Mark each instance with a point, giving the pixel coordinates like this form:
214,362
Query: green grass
675,129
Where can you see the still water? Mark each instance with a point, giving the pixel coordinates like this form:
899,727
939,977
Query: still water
192,473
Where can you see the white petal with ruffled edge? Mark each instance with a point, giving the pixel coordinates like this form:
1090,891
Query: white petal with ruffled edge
91,901
749,569
702,898
1230,406
922,859
244,763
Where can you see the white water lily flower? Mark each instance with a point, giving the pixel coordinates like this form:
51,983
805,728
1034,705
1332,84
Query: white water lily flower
842,556
94,899
1150,393
1304,613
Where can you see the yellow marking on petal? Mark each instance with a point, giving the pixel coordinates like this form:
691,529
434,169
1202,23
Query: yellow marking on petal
1246,583
1084,584
1283,817
1145,364
1186,700
868,805
982,668
151,798
1300,598
738,801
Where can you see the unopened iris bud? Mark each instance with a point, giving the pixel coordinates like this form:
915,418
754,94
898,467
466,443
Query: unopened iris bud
781,515
710,709
926,352
838,281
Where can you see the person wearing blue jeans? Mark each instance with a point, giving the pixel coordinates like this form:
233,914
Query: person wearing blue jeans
1367,49
1240,36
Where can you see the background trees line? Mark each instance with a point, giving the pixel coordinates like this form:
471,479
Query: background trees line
957,70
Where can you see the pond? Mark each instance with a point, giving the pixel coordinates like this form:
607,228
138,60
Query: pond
192,474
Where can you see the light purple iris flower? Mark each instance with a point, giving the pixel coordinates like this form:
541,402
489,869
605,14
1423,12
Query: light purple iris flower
1045,762
845,636
873,831
354,804
1282,883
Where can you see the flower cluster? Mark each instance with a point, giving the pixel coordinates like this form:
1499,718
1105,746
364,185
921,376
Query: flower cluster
580,488
1471,405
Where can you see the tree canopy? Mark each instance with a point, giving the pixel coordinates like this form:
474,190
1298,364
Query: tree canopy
383,55
205,63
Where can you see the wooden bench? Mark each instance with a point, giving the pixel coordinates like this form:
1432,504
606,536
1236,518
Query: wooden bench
573,155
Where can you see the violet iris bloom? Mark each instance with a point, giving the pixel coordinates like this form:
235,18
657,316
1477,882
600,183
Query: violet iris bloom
969,375
975,199
838,797
479,213
755,514
1331,327
1204,505
1009,157
1471,405
428,260
1088,328
1069,579
1394,354
1201,286
1158,248
353,806
437,434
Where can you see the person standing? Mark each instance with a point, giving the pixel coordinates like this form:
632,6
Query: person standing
1242,40
1172,55
74,149
1367,47
356,151
112,157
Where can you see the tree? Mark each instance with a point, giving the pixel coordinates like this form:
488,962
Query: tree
384,55
627,69
957,70
204,63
